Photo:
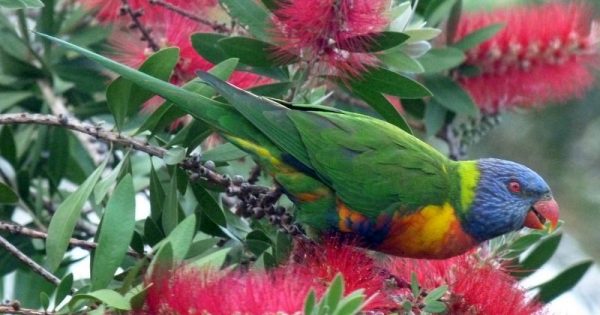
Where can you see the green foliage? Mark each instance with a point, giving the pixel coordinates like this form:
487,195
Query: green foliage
73,187
334,302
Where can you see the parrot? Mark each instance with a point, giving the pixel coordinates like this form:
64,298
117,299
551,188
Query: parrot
359,176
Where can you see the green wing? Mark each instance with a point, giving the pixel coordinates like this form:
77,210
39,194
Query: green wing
373,166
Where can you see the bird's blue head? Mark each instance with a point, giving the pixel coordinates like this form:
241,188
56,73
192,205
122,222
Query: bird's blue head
508,196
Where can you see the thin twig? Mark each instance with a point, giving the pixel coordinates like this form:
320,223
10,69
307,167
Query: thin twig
217,27
137,23
21,230
37,268
15,308
191,164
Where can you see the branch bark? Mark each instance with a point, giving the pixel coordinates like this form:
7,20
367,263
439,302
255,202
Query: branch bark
21,230
15,308
37,268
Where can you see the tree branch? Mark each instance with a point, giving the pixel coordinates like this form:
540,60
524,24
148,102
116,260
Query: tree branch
136,23
37,268
217,27
21,230
15,308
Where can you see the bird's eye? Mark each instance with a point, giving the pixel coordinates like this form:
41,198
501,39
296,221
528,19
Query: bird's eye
514,186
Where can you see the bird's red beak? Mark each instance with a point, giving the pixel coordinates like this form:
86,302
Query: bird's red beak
542,211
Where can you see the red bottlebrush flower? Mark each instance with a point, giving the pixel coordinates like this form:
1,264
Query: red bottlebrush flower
543,54
173,30
360,271
187,290
318,30
474,286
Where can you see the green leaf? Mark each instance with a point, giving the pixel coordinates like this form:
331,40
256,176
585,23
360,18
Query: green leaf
174,155
187,101
538,256
223,153
251,14
441,59
254,52
414,285
478,36
206,44
380,104
435,116
351,304
170,209
8,99
163,258
64,220
562,283
124,98
421,34
168,112
435,307
63,289
44,300
435,294
451,95
525,241
214,260
398,60
58,154
116,231
7,195
8,149
109,297
438,10
391,83
107,182
181,237
21,4
373,42
334,293
310,303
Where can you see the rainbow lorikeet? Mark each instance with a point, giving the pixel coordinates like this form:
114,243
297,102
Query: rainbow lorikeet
364,177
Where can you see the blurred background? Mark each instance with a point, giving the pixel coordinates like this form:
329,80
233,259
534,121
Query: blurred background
562,143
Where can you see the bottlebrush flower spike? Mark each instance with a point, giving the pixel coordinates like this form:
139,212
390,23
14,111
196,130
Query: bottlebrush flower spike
188,290
314,29
360,271
474,286
543,54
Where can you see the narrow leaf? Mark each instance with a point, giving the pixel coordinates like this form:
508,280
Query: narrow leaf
373,42
538,256
254,52
170,209
562,283
109,297
442,59
214,260
392,83
252,14
479,36
124,98
380,104
181,237
7,195
118,223
451,95
64,220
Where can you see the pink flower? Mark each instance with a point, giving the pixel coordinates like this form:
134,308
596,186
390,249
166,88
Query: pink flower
360,271
318,30
543,54
474,286
188,290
